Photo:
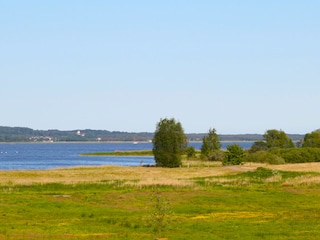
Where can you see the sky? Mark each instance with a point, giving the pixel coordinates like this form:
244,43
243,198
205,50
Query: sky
236,66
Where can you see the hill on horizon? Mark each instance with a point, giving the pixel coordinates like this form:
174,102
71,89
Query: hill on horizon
24,134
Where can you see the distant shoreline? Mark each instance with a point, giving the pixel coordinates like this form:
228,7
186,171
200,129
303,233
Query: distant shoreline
28,135
102,142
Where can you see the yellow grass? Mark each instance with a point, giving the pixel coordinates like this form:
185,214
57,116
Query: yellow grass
298,167
145,175
233,215
306,180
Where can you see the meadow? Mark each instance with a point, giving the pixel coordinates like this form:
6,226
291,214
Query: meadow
200,200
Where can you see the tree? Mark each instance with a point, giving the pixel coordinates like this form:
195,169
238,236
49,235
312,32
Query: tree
234,155
169,143
277,139
312,140
258,146
191,152
210,143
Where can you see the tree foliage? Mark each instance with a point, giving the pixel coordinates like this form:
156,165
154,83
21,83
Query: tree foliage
258,146
169,143
210,143
191,152
277,139
262,156
312,140
298,155
234,155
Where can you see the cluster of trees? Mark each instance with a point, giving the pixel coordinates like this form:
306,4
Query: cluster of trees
170,143
211,150
278,148
279,139
312,140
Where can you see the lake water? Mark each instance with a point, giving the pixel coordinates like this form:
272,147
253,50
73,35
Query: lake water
19,156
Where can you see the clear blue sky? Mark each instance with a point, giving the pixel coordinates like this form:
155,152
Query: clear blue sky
237,66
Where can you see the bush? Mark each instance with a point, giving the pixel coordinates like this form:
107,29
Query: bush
217,155
234,155
298,155
258,146
281,156
264,157
191,152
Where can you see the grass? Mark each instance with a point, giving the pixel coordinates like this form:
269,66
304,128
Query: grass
207,201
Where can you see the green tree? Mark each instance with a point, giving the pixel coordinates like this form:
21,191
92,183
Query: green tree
258,146
210,143
234,155
191,152
277,139
312,140
169,143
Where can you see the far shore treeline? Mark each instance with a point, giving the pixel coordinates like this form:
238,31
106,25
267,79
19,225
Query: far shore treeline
23,134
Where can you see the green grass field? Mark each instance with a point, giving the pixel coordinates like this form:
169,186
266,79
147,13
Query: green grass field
195,202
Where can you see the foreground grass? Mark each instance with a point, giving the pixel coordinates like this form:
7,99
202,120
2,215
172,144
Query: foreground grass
206,201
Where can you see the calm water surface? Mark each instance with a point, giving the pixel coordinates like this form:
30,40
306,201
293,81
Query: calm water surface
19,156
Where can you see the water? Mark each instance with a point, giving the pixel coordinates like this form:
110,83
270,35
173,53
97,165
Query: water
61,155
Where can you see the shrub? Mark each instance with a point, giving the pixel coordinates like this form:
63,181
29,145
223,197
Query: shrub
298,155
161,214
264,157
258,146
234,155
217,155
191,152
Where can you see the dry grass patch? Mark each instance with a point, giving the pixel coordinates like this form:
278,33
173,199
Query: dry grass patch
297,167
144,176
306,180
233,215
141,175
274,178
